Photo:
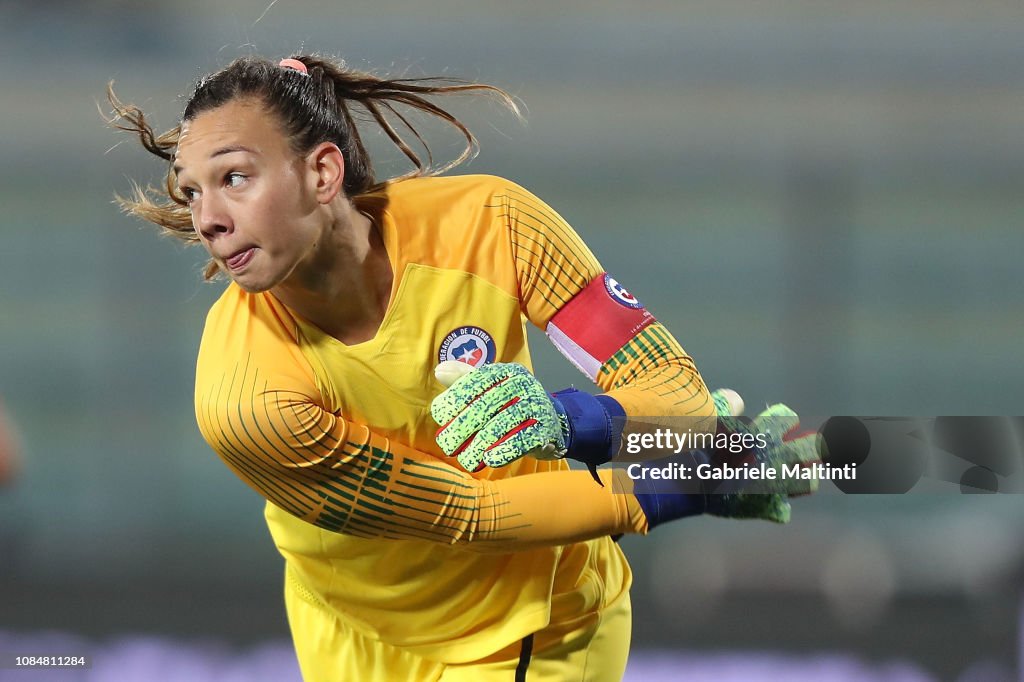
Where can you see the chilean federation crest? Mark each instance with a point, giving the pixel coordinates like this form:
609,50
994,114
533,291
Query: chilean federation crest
471,345
619,293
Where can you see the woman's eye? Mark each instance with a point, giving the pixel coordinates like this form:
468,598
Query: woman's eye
189,194
235,179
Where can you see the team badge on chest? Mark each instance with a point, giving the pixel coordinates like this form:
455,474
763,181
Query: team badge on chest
471,345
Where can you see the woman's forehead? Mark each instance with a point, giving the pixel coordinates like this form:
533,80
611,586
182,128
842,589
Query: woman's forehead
239,125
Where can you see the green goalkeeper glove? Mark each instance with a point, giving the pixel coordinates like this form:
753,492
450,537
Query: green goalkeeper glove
767,498
772,433
495,414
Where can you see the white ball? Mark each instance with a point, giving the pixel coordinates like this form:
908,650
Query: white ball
449,371
736,404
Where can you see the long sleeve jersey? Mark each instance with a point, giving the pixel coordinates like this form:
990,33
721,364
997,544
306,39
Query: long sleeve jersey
374,522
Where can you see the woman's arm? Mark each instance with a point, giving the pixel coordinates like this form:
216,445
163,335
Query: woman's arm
343,477
600,327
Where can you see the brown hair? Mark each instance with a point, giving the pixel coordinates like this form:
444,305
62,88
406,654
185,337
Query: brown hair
312,108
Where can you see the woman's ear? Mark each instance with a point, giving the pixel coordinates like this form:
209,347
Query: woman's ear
328,166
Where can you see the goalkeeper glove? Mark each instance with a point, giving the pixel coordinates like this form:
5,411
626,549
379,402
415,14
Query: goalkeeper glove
761,499
496,414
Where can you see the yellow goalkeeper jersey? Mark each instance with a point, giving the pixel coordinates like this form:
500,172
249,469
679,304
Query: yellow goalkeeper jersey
374,522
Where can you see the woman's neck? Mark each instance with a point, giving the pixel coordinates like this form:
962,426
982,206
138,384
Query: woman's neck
345,285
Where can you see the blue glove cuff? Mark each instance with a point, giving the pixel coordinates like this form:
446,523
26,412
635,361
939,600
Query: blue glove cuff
593,424
662,507
662,500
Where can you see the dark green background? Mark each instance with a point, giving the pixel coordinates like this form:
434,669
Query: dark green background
823,203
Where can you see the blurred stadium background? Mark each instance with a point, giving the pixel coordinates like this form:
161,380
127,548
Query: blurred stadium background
823,200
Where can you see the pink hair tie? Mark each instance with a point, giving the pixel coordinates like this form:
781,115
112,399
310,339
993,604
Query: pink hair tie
294,65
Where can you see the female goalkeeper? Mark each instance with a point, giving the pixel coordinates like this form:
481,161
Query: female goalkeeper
413,553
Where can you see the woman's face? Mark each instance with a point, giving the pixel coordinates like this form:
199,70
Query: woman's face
252,198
